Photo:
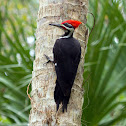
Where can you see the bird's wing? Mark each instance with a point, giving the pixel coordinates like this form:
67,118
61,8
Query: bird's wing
67,61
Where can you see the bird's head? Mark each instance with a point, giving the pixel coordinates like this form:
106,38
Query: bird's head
68,26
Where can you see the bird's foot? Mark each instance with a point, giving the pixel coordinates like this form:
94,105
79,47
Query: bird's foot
48,60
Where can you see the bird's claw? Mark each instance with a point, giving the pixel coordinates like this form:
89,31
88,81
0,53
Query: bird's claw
47,57
48,60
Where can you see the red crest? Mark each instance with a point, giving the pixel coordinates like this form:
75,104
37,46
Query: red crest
74,23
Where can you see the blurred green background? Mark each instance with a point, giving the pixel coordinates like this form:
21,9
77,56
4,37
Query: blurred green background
17,42
105,62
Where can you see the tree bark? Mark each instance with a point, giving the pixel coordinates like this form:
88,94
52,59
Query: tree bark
43,111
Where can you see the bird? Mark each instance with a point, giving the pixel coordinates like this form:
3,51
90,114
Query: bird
66,58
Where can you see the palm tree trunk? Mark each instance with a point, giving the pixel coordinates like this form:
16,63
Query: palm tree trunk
43,111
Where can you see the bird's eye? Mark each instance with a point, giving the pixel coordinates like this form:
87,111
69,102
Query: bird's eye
68,25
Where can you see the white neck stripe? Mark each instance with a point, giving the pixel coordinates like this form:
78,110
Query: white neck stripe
68,36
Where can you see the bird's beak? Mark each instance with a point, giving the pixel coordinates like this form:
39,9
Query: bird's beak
61,26
57,25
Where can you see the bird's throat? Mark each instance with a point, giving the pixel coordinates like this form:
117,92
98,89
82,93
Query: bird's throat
67,34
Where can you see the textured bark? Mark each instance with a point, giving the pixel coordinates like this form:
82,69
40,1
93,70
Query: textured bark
43,112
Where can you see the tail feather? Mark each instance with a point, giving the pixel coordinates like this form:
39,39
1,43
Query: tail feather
60,98
58,95
65,102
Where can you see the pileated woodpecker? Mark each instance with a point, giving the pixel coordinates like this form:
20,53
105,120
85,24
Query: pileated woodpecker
67,53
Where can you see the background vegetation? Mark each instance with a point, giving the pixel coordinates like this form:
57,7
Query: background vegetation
105,63
105,92
17,38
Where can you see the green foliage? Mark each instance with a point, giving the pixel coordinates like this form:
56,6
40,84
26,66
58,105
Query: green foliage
104,98
17,26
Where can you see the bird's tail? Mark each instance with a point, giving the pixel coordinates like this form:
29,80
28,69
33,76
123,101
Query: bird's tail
60,98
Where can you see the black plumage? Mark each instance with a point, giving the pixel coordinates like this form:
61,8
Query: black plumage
67,53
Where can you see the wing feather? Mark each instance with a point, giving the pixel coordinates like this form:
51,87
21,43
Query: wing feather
67,60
